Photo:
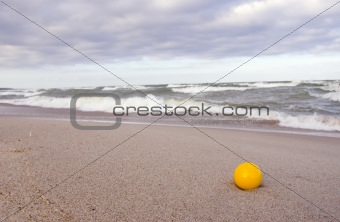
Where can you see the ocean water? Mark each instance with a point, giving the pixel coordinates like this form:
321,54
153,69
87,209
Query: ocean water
311,105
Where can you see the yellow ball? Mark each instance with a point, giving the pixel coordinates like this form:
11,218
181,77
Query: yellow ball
247,176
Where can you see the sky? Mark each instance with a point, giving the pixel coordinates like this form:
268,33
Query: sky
163,41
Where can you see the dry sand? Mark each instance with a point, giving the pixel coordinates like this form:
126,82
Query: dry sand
162,174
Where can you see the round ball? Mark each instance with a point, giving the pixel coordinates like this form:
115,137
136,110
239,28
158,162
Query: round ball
247,176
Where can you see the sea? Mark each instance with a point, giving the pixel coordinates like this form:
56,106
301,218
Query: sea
310,105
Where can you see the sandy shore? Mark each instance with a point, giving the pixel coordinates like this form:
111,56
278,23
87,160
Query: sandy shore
164,173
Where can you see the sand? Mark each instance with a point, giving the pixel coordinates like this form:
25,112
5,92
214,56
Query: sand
164,173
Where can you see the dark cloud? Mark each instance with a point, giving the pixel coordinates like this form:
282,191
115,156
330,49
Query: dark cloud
110,31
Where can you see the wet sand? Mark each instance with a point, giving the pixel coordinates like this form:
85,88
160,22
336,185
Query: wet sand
164,173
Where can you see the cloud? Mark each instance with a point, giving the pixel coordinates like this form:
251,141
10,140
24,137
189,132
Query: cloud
113,31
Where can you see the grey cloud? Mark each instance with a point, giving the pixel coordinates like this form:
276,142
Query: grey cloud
110,31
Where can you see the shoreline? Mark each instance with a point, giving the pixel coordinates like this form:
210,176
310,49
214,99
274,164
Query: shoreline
100,117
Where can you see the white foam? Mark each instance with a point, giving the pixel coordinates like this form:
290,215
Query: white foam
25,93
109,88
85,87
41,101
174,85
10,93
179,85
196,89
314,122
334,96
271,84
112,88
331,87
141,87
101,104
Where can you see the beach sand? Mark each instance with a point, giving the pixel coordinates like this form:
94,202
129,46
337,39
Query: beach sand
164,173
